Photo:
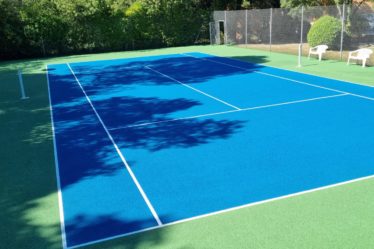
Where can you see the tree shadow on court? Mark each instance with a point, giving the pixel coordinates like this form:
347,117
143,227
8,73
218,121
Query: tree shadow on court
85,229
126,75
29,207
178,134
29,211
88,149
86,153
80,135
124,111
252,59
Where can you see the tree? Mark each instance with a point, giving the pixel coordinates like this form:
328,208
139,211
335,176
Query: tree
12,37
178,21
337,3
259,4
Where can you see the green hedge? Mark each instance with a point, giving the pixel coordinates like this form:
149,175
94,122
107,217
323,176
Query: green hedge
326,30
31,28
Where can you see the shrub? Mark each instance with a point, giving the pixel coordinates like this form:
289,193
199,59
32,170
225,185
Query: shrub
326,30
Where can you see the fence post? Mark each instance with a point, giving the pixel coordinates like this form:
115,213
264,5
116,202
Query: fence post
302,25
301,36
270,28
342,33
43,47
218,32
246,27
225,27
210,33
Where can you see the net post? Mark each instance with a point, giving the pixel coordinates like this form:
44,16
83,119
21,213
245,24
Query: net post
342,33
270,28
22,88
299,56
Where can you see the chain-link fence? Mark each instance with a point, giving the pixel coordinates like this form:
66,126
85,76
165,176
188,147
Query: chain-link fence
349,27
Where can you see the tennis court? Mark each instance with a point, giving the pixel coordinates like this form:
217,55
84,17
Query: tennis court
148,142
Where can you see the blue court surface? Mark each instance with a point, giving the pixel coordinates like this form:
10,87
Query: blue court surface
146,142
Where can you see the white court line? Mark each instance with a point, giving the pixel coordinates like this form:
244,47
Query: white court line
149,204
197,90
231,111
280,77
59,194
227,210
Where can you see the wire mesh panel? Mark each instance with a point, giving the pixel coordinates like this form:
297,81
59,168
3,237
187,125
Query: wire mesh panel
236,24
360,26
258,27
213,33
286,29
219,16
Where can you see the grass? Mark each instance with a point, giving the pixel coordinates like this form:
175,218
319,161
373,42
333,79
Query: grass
339,217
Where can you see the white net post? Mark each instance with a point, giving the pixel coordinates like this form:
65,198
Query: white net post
22,88
300,53
342,33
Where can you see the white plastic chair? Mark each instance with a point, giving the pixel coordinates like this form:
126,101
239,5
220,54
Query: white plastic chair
318,50
361,54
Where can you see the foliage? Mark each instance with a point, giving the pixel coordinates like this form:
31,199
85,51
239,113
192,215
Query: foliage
297,3
42,24
325,30
11,32
178,21
30,28
140,29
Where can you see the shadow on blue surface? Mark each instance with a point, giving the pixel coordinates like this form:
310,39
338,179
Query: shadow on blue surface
88,229
121,73
128,110
81,136
100,199
180,134
125,92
